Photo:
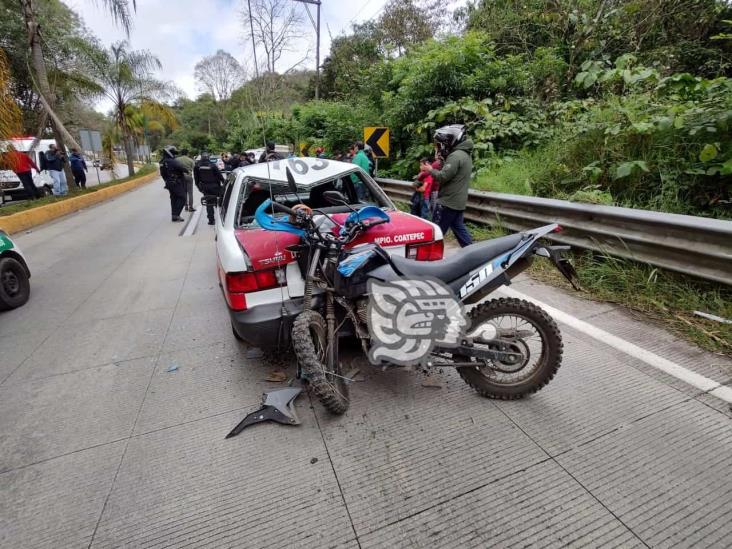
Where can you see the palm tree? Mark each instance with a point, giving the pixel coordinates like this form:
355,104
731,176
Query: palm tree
125,77
150,122
120,11
9,112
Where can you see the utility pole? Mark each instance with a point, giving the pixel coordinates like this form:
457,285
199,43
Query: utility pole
254,44
316,25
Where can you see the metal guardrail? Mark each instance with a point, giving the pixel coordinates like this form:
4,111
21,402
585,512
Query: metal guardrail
696,246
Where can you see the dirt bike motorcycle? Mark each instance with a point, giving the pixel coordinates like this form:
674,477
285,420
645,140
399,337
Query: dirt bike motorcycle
513,348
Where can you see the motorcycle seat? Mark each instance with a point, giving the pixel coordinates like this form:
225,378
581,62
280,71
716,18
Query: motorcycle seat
458,264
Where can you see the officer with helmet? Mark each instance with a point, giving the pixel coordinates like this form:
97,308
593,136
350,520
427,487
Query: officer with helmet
173,172
454,178
209,181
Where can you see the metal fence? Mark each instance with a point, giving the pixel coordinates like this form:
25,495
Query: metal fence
696,246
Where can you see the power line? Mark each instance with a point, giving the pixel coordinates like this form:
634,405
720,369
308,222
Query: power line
254,44
359,11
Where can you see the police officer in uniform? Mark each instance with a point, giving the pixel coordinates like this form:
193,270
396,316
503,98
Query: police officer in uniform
209,181
270,154
173,172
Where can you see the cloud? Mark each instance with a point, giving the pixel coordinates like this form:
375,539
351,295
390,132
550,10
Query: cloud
181,35
182,32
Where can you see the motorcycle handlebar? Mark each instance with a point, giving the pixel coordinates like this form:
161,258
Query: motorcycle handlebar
276,206
368,224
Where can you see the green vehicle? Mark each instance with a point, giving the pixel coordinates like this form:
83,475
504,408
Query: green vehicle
14,275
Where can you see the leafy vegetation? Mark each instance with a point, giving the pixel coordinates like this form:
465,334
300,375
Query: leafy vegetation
622,102
661,295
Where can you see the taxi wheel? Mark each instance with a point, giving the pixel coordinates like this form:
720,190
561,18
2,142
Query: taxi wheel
14,284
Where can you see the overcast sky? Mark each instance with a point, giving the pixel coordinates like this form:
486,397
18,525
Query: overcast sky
180,36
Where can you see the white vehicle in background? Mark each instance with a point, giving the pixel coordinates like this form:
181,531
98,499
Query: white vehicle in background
9,182
260,276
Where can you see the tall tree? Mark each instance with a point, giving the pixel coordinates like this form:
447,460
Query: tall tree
219,75
406,23
345,68
120,11
275,27
125,77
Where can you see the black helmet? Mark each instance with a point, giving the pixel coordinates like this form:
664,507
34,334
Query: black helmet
447,137
205,156
170,151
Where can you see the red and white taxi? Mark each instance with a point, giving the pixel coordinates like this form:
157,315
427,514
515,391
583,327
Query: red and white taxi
260,278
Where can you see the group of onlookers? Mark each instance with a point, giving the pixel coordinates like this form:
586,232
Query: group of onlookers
180,173
52,162
440,188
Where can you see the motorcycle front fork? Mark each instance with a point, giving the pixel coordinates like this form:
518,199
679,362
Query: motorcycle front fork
330,323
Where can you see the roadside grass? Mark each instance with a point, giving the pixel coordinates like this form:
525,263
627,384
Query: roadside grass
512,176
661,295
11,208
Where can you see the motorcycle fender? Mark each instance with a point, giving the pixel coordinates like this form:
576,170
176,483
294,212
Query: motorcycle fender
384,273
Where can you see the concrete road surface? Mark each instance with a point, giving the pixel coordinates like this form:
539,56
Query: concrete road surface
120,378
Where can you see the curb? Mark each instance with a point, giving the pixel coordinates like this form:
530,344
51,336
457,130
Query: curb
43,214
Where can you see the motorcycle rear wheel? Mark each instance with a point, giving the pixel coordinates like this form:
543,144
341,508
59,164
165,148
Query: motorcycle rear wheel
509,381
309,338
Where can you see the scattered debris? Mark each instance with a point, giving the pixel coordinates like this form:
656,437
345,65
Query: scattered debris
432,381
351,376
715,318
712,335
313,461
278,406
172,368
277,376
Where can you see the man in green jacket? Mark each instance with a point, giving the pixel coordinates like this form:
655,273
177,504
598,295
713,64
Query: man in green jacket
454,179
188,163
360,158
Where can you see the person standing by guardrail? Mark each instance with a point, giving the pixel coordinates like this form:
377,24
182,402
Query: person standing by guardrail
454,180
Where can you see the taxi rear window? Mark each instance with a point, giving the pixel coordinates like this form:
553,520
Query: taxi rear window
358,190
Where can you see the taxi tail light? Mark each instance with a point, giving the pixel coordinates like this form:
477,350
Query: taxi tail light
239,284
430,251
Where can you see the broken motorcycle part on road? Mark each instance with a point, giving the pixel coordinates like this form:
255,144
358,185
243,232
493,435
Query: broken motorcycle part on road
278,406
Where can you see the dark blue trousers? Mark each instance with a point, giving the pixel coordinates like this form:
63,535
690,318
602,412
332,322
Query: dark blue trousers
447,219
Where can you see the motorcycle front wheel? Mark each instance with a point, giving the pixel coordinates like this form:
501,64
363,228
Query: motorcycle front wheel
310,340
527,332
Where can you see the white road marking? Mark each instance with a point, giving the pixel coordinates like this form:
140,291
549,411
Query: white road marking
699,381
192,223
